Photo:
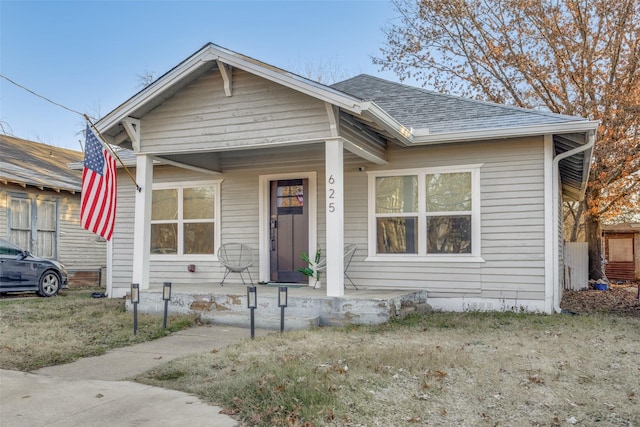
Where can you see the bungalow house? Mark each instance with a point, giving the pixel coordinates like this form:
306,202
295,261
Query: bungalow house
455,197
40,207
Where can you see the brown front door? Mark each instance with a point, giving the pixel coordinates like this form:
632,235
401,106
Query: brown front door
289,229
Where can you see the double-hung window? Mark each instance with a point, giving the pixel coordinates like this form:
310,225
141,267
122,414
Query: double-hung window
431,213
185,219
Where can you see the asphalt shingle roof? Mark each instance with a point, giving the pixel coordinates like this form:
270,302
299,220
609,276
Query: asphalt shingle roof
26,162
420,108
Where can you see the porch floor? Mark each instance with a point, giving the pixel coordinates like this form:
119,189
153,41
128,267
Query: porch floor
307,307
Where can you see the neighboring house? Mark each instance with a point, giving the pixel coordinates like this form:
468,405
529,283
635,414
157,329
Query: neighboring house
453,196
622,251
40,206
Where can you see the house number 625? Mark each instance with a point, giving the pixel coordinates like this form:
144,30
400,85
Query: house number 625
331,193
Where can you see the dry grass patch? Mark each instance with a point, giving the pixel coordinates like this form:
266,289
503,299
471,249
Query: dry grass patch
439,369
37,332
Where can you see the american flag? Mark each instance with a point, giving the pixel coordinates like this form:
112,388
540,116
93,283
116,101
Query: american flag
98,209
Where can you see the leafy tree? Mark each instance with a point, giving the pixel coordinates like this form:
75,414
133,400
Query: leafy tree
574,57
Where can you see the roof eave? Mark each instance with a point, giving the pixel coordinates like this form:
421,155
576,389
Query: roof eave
420,137
40,186
387,122
586,167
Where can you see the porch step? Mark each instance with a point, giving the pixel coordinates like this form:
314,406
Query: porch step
243,319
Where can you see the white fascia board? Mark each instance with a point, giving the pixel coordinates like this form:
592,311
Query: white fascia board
287,79
420,138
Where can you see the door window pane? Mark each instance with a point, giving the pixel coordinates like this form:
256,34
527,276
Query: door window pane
397,194
46,228
290,197
449,234
46,244
20,214
46,215
397,235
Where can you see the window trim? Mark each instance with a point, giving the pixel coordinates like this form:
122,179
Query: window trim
216,184
422,255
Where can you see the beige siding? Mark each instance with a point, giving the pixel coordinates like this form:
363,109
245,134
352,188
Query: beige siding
260,112
122,241
511,206
78,249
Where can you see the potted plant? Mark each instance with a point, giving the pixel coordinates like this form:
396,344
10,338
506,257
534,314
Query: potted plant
310,270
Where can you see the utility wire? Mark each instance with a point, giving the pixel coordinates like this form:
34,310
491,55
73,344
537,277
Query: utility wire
40,96
86,117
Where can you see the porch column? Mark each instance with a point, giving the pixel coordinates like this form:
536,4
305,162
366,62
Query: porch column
142,221
334,183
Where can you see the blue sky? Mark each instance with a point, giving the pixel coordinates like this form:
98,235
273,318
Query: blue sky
88,55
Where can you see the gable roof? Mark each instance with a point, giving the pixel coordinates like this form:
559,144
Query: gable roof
410,115
38,165
214,57
403,114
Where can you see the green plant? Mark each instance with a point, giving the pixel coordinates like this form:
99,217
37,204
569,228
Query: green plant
310,270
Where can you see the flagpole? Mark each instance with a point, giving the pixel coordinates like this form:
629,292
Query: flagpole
104,140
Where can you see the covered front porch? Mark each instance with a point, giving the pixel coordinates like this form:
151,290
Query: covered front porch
306,307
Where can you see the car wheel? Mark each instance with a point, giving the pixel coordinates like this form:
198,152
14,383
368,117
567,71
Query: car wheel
49,284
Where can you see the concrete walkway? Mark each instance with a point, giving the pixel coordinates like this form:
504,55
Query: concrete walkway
94,392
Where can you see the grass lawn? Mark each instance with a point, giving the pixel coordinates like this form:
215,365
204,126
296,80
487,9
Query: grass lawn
438,369
443,369
37,332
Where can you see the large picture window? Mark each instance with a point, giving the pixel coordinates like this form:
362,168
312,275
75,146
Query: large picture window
184,220
426,212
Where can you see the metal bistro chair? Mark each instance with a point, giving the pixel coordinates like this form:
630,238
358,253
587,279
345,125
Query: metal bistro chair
349,250
236,258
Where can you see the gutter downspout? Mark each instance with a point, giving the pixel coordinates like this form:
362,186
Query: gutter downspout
553,287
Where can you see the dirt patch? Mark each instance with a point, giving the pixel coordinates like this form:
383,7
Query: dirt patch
618,299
